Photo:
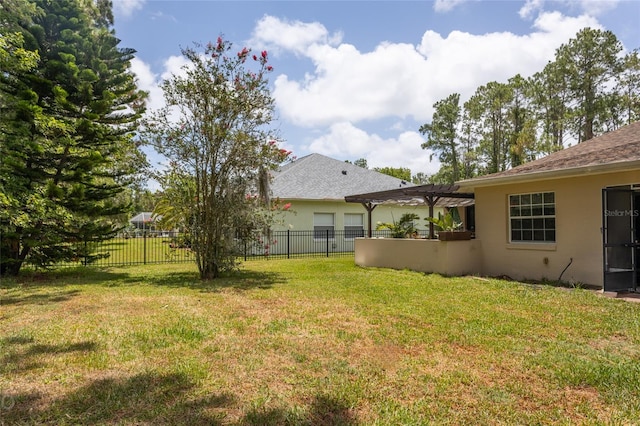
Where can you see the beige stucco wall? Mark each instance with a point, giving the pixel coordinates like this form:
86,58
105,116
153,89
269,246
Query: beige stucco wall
442,257
578,229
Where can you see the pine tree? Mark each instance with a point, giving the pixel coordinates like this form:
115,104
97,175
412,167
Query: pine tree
69,146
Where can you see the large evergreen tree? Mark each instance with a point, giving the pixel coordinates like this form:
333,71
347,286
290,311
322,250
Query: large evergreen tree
68,148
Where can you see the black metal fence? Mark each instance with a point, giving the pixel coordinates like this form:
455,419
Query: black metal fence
153,247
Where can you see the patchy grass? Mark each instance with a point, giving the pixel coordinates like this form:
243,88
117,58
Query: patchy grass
311,341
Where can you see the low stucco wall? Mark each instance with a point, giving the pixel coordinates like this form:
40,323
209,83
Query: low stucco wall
442,257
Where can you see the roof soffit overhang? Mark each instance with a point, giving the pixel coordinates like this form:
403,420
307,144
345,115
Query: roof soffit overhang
485,181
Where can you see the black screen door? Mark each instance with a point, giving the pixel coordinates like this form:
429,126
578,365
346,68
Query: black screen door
620,246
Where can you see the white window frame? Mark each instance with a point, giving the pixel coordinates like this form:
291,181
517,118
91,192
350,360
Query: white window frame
359,228
533,215
322,225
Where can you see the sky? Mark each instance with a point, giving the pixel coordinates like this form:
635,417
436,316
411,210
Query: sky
357,79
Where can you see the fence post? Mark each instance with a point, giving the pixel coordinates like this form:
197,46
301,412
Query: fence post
327,243
245,249
288,247
144,247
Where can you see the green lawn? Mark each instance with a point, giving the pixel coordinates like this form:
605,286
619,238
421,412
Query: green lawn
311,341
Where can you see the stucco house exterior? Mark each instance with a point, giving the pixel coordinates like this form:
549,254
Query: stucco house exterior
573,215
316,185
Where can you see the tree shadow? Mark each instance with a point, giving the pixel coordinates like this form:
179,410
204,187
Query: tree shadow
21,353
61,278
39,299
322,411
238,280
146,398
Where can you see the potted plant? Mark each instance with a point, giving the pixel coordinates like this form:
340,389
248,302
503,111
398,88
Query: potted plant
448,228
404,228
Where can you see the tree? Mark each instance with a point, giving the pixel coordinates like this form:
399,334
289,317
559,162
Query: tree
591,63
522,131
488,109
403,173
551,106
175,203
629,88
361,162
420,178
67,142
216,129
442,133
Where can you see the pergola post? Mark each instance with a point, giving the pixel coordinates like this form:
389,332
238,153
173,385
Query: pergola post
369,206
431,202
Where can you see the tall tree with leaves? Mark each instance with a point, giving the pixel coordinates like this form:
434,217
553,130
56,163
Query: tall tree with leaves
442,133
629,88
551,105
216,128
591,62
403,173
68,148
488,112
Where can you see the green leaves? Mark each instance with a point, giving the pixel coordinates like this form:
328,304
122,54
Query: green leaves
216,132
65,153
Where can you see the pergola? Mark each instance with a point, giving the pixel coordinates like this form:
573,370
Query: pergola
431,195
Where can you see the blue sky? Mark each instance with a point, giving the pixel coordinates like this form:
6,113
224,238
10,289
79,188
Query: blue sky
356,79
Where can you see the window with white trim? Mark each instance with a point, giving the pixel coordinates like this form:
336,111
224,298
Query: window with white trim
323,225
353,226
532,217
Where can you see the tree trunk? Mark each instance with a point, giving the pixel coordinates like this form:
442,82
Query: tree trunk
12,258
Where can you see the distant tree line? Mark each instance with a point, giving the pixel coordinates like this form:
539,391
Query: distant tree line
590,88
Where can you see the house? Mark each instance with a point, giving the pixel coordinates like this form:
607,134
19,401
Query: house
144,220
316,185
572,216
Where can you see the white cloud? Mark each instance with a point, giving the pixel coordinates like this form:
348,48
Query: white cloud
174,65
402,80
126,8
446,5
531,7
148,81
345,141
277,34
588,7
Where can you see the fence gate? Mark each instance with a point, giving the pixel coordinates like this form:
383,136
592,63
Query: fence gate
621,238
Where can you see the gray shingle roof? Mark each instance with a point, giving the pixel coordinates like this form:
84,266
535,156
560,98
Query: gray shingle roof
145,217
316,177
617,149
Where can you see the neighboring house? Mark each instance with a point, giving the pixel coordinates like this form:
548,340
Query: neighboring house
574,213
144,220
316,185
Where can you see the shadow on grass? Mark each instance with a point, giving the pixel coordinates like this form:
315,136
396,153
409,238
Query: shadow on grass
322,411
147,398
152,398
21,353
38,299
237,280
61,277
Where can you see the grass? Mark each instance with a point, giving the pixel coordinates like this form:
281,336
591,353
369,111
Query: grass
311,341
